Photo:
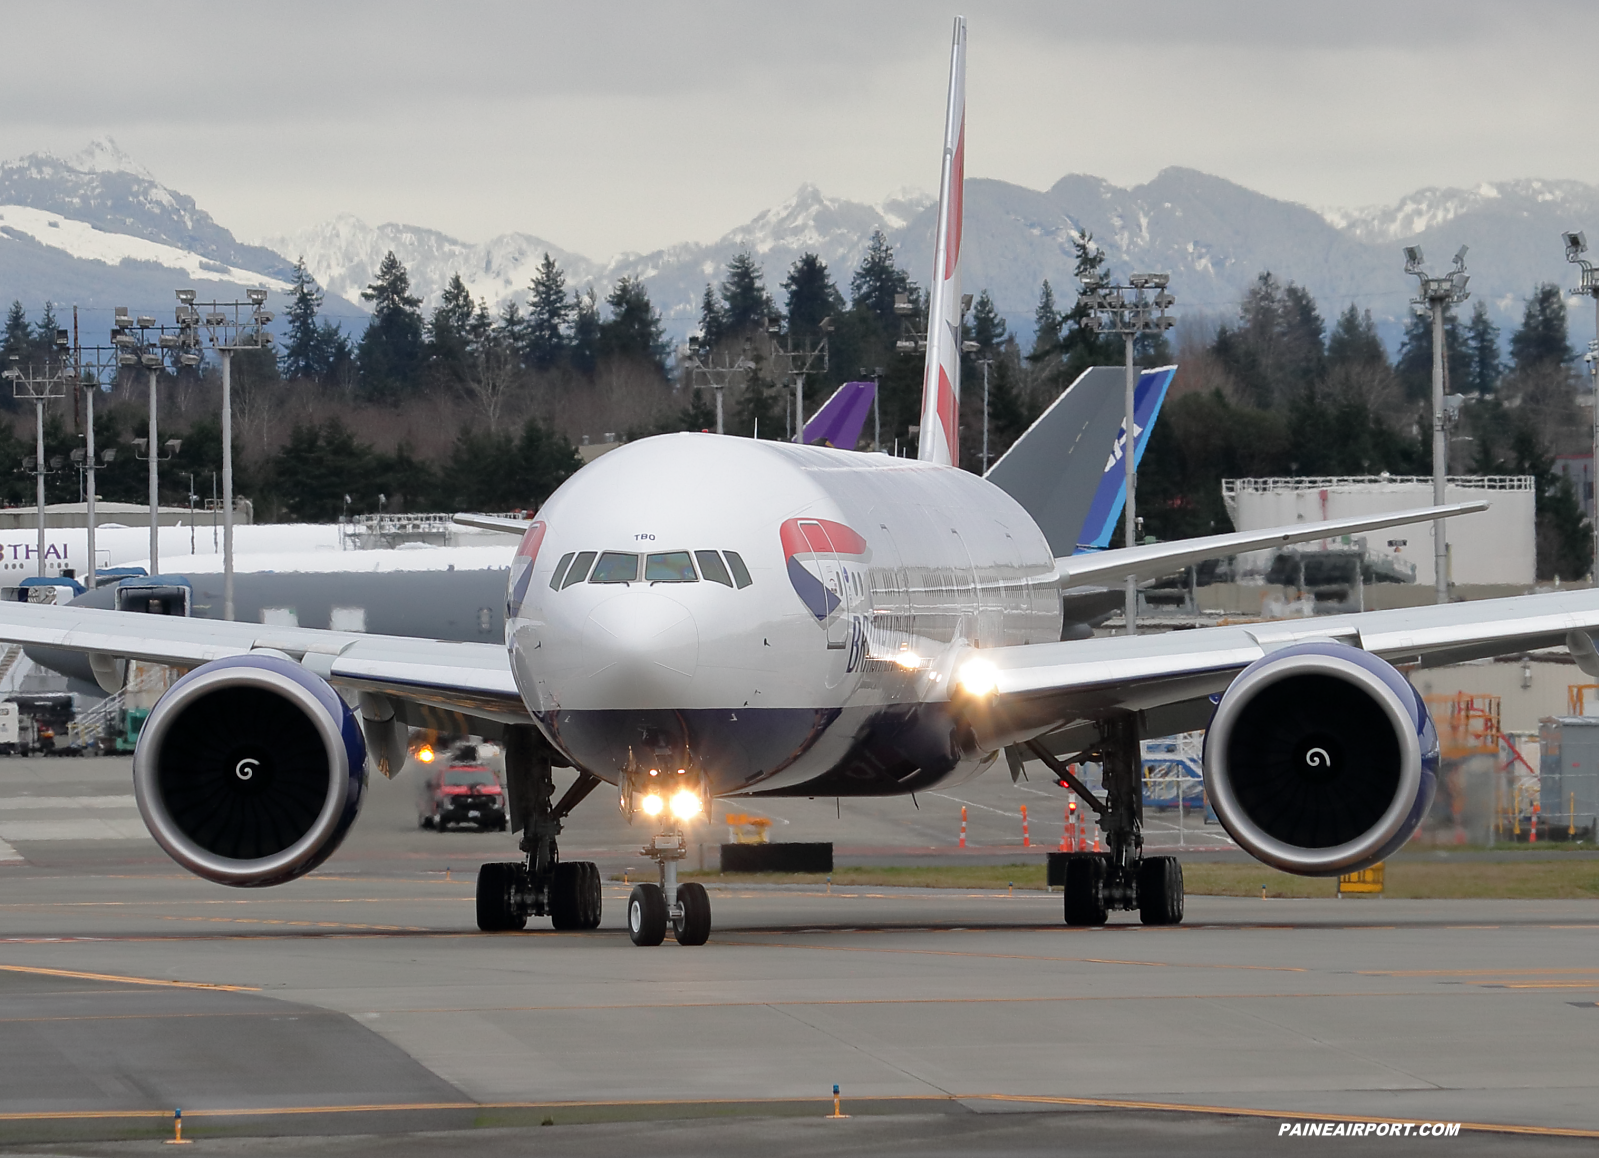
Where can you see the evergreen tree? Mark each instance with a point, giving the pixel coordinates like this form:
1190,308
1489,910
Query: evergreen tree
1482,345
1414,367
391,349
1080,347
1276,350
1354,341
812,296
634,328
301,356
1047,321
988,328
19,338
875,282
318,466
745,303
713,322
449,332
44,343
549,313
1542,340
584,343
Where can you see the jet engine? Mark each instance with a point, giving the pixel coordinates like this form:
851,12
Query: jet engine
250,770
1321,759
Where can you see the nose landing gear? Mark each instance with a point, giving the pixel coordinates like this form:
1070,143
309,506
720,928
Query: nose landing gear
685,907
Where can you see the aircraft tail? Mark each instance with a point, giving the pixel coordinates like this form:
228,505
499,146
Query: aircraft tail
941,376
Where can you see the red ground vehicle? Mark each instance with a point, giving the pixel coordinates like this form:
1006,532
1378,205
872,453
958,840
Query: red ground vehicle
462,793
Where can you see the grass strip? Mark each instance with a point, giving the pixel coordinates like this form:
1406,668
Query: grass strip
1416,880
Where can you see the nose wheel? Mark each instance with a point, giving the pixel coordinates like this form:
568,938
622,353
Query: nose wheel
684,908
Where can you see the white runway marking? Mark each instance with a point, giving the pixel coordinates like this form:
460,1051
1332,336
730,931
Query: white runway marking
94,828
7,853
18,803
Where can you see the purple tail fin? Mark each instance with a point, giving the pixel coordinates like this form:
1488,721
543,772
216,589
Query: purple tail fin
838,423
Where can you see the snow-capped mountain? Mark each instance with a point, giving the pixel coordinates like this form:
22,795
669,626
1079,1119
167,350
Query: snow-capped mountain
96,228
344,254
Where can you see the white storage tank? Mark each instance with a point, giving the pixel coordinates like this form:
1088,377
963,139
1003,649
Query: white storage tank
1494,546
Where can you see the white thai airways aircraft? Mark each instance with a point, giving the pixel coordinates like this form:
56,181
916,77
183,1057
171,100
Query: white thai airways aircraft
695,616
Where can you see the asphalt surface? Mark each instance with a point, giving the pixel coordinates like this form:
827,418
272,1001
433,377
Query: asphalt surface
359,1011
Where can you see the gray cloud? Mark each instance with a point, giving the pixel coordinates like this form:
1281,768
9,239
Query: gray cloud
634,125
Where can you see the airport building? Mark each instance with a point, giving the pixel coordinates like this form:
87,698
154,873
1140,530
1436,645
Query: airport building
1494,547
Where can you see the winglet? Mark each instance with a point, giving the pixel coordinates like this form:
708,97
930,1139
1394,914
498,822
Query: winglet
941,375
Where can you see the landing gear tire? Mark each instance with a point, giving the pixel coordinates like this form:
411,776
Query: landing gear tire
496,900
575,896
1160,890
646,915
593,899
694,926
1085,891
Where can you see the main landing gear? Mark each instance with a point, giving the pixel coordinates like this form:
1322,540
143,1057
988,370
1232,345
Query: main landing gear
685,907
1123,877
568,892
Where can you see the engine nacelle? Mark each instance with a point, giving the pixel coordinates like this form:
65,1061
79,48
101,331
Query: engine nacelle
250,770
1321,759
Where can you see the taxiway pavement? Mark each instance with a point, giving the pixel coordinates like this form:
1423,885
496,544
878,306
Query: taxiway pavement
362,1001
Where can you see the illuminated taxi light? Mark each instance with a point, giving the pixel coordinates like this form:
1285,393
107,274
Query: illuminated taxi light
426,754
652,805
686,805
908,660
978,678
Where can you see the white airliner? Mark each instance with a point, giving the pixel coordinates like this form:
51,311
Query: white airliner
695,616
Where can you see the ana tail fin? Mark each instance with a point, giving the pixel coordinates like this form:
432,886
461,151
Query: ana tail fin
941,377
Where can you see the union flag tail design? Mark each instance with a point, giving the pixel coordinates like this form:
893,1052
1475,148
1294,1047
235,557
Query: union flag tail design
941,379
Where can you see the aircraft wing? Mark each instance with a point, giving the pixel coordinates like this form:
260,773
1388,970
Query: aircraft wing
1153,560
1040,687
493,523
472,678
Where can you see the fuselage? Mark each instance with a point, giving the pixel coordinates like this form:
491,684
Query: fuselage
780,618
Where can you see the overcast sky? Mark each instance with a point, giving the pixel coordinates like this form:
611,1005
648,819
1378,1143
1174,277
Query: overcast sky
606,127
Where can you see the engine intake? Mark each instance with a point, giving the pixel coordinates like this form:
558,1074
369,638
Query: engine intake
1321,759
250,770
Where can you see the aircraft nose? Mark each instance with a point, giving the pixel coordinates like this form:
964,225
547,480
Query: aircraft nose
641,648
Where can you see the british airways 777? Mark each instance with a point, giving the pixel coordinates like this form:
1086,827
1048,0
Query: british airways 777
695,616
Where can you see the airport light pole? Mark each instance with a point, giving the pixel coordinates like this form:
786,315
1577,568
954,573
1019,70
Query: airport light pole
92,367
985,363
1139,307
1576,246
718,375
1438,293
799,359
232,326
39,387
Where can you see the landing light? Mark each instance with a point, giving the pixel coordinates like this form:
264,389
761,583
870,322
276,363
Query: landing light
686,805
908,660
652,805
978,678
426,754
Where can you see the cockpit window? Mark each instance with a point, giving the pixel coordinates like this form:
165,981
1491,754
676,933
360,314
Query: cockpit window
669,567
580,568
615,567
712,567
560,571
741,573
